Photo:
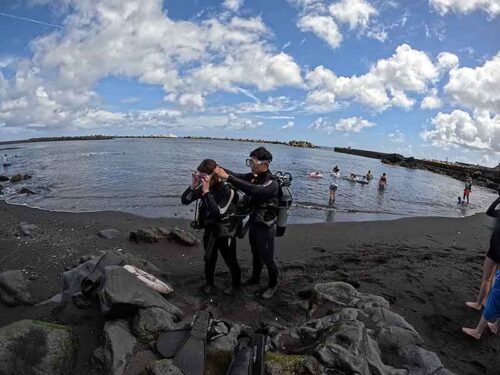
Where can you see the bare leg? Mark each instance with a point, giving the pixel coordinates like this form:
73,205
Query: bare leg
489,269
494,326
476,332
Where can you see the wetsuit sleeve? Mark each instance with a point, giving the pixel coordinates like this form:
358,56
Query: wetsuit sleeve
218,209
491,210
242,176
267,189
191,195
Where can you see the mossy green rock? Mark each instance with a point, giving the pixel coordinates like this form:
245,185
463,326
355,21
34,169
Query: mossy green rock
277,364
32,347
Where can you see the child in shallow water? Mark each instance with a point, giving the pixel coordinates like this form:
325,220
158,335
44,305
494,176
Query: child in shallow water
491,314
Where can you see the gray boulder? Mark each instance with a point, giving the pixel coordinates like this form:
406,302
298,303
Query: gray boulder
144,235
72,279
164,367
14,289
379,317
109,234
393,339
183,237
4,178
25,229
118,346
225,338
150,322
31,347
420,361
25,190
122,294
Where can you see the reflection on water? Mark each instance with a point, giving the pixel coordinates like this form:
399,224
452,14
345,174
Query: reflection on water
147,176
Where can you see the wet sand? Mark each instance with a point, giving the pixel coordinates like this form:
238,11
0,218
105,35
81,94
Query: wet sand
426,267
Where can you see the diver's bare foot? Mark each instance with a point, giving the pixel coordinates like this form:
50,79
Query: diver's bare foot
474,305
493,327
471,332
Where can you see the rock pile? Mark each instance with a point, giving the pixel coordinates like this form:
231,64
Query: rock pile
152,235
345,331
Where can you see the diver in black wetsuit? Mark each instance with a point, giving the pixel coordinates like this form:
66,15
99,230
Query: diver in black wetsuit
215,216
262,189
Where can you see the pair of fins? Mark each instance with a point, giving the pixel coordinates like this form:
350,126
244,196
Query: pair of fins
187,347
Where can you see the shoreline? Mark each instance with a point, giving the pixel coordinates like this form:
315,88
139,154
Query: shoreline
426,267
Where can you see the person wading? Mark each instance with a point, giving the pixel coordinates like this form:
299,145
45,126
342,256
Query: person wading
262,189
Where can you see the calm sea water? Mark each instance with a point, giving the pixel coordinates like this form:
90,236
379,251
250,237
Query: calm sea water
147,176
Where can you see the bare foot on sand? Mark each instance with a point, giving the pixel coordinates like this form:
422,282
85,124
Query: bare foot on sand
471,332
493,327
474,305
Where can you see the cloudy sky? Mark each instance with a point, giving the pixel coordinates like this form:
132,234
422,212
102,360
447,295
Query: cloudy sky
417,77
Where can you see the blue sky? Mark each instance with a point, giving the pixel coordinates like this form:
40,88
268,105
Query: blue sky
420,78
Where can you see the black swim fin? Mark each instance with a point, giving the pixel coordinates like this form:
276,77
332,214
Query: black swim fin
249,356
190,357
169,342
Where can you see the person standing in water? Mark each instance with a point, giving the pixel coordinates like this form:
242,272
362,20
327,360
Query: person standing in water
382,183
334,185
369,176
5,159
467,189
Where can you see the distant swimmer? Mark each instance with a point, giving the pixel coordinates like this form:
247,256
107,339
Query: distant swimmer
369,176
315,174
382,183
467,189
354,177
334,184
6,162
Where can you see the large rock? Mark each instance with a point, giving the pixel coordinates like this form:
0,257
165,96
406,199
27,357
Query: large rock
122,294
118,346
30,347
4,178
72,279
144,235
164,367
25,229
25,190
109,234
150,322
344,294
14,289
420,361
224,337
183,237
16,178
281,364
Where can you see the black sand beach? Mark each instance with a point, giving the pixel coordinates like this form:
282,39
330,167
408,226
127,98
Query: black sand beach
426,267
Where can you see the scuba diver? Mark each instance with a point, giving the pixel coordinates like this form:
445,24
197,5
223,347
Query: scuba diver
216,209
262,189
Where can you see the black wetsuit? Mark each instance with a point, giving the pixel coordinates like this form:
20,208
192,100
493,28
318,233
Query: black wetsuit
494,250
214,216
262,191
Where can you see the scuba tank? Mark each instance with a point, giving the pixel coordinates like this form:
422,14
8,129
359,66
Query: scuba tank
285,201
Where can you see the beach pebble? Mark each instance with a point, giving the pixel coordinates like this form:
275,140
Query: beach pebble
183,237
109,234
25,229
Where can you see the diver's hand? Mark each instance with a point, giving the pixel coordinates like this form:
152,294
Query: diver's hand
221,173
195,180
205,184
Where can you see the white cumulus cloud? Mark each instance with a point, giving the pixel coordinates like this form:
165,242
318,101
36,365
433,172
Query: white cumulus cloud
492,7
288,125
324,27
353,124
459,128
356,13
431,101
385,85
233,5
